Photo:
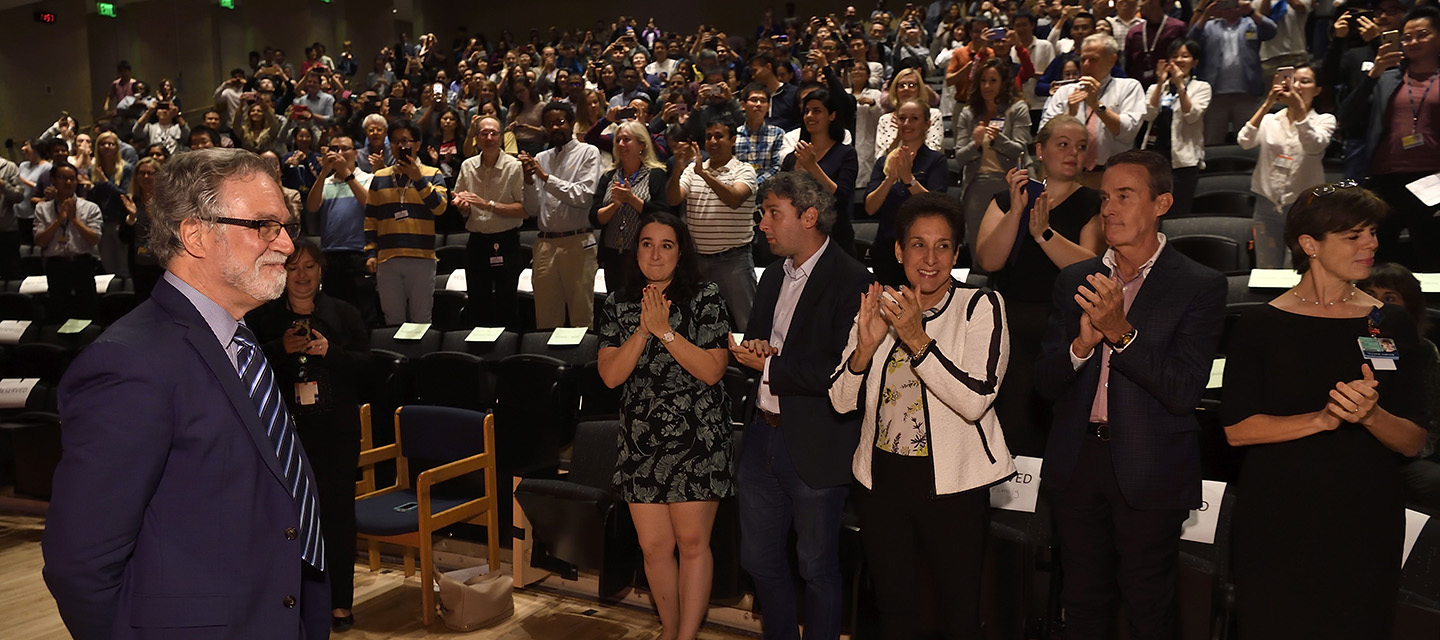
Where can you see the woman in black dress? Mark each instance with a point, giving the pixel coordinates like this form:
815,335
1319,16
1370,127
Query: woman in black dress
1029,233
318,346
822,154
908,167
633,187
1325,410
665,336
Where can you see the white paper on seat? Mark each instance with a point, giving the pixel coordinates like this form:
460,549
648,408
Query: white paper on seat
102,283
34,285
1020,492
1427,190
527,282
1414,524
456,281
11,330
484,334
566,336
73,325
600,281
412,331
1429,282
15,391
1200,526
1273,278
1217,374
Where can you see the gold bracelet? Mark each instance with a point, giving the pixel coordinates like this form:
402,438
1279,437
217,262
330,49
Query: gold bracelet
920,353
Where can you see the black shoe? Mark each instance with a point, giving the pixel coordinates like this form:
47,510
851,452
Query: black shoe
341,624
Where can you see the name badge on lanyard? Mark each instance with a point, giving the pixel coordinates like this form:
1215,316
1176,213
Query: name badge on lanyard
1412,141
1381,352
1285,162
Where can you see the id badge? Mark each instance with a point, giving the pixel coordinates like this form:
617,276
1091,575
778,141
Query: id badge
401,214
497,261
307,393
1285,162
1412,141
1381,352
1167,101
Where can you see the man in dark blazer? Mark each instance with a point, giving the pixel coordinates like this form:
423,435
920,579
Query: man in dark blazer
795,465
1126,357
171,514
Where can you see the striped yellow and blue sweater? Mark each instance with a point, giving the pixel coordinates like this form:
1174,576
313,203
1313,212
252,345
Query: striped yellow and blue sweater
400,215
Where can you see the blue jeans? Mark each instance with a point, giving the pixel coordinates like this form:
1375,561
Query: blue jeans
772,498
733,270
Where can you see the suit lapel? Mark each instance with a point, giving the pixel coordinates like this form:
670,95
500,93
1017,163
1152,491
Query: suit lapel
815,286
202,339
1146,300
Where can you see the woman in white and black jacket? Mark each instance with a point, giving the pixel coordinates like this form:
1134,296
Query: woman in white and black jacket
923,365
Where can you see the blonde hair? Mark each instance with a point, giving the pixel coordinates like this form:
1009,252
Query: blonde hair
926,93
638,131
116,170
924,109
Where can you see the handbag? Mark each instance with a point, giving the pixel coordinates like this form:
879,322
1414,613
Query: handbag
473,598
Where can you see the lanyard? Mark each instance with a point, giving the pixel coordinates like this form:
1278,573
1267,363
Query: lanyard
1145,38
1090,113
1415,108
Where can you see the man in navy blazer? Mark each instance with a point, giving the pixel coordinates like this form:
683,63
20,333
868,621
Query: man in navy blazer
1126,357
170,515
795,466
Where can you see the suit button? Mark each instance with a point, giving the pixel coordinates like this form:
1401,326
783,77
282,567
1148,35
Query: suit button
289,602
291,533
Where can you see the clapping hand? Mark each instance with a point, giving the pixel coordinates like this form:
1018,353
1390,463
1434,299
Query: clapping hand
870,328
1355,401
752,353
620,192
654,311
1017,179
465,198
1104,307
805,155
1040,216
901,310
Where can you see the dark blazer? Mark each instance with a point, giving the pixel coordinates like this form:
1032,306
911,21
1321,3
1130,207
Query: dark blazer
170,511
820,441
1366,109
1155,383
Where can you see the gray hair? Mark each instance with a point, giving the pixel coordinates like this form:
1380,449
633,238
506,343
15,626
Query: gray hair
803,191
374,118
1105,40
188,188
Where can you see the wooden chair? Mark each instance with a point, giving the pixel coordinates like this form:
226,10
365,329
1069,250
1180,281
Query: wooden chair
459,442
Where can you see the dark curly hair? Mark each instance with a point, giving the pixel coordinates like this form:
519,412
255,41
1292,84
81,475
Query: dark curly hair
686,282
1007,95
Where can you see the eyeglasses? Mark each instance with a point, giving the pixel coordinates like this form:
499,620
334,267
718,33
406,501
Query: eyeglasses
268,230
1327,189
908,85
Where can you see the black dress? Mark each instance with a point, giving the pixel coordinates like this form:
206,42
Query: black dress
329,429
675,435
841,165
1028,281
1319,521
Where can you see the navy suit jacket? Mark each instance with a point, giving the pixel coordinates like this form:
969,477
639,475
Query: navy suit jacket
1155,383
170,513
821,442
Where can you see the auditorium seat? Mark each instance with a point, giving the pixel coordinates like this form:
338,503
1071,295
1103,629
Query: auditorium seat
115,304
1223,202
453,379
449,258
578,519
20,306
34,444
448,312
1419,603
1230,158
1213,561
508,343
37,360
537,342
1025,558
384,338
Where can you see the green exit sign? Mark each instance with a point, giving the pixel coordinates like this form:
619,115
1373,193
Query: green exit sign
227,4
106,9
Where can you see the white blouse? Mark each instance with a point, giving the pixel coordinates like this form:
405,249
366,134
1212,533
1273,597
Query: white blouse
1290,154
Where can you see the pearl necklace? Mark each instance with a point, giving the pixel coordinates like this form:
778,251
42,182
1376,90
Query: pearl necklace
1317,303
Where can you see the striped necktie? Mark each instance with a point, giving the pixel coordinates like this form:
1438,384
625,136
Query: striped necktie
259,379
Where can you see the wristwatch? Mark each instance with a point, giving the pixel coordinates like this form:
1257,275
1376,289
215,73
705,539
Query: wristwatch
1124,341
1047,234
1100,108
667,337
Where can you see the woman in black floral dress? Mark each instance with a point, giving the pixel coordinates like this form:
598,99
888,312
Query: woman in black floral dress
665,336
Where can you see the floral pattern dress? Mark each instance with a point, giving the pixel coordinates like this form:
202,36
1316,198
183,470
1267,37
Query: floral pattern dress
675,435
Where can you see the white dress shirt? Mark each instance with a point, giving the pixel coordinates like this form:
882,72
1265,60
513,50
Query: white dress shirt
1124,96
1290,159
562,201
790,290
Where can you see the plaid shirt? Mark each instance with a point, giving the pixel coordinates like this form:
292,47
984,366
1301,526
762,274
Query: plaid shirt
760,150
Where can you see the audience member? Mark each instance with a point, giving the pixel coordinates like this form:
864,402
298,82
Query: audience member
145,268
1122,466
664,335
490,194
1045,221
35,165
909,167
1325,483
632,188
1287,48
1230,34
1175,119
559,186
794,469
12,194
926,462
719,199
757,143
1291,144
907,85
1400,137
992,131
1110,107
1347,62
338,199
401,204
67,230
1147,41
822,153
1124,20
784,112
168,128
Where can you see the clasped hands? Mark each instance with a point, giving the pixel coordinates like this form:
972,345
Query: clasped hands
1353,401
315,344
882,309
1102,316
654,313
